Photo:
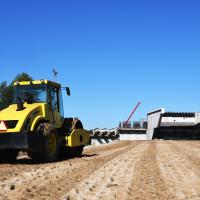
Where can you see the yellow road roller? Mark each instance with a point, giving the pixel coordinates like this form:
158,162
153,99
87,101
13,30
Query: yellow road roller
35,123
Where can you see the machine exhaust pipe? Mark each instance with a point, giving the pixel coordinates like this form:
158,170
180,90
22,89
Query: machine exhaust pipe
20,105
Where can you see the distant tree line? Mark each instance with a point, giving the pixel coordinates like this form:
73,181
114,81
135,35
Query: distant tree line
6,90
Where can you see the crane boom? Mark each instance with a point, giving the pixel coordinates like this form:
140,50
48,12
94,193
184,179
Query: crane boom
133,111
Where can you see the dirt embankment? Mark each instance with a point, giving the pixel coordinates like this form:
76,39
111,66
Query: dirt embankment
122,170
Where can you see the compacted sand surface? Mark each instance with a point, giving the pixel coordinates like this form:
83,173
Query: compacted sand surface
121,170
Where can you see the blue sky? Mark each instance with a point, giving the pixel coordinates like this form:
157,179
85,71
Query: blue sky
111,53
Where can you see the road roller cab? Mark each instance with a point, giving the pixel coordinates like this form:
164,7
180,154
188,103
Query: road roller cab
35,122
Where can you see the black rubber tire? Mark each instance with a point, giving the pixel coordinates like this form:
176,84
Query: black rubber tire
66,152
8,155
66,126
49,150
71,152
47,154
78,125
77,151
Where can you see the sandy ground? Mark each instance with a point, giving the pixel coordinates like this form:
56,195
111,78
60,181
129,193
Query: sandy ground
122,170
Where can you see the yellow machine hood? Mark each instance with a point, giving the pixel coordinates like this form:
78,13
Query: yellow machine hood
16,120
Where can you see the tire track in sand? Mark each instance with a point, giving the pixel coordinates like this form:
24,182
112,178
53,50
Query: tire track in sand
189,149
148,182
195,143
11,170
111,181
53,180
178,172
188,152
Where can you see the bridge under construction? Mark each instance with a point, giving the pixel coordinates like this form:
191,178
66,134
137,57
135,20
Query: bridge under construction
159,124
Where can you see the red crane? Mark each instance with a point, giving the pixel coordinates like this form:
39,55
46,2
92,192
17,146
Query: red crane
133,111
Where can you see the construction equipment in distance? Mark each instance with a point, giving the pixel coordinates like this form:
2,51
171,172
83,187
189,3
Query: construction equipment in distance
35,122
126,124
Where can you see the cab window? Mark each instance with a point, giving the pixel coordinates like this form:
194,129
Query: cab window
61,104
53,92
